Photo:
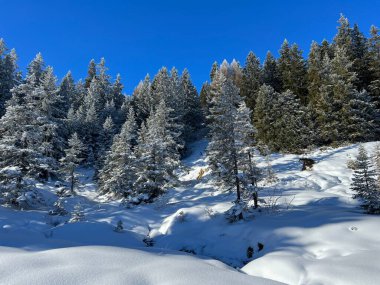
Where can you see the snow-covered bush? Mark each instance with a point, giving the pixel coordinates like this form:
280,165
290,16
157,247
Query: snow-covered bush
235,213
119,227
77,215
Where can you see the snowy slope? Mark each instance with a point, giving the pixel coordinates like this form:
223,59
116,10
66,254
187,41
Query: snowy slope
113,265
316,235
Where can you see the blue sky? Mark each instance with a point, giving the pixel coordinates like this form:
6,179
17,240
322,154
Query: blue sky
138,37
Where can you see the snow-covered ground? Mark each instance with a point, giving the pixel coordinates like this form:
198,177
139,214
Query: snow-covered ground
315,234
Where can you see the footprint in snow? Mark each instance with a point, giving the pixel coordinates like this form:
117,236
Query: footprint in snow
353,229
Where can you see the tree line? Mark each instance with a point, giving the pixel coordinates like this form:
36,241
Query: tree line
135,143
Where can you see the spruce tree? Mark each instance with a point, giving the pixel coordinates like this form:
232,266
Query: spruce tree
73,157
118,174
231,133
9,76
271,73
293,71
364,183
157,154
251,80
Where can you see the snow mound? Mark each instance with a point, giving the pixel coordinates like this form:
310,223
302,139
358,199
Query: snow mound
112,265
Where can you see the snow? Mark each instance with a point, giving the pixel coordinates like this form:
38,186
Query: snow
114,265
315,234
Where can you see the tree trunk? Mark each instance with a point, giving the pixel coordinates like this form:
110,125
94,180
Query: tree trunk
254,181
72,182
237,184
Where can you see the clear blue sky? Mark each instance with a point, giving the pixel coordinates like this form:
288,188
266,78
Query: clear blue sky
138,37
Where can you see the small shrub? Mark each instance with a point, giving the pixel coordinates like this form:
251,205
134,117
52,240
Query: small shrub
119,227
250,252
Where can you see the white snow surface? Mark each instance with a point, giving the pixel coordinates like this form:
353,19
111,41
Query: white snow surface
316,233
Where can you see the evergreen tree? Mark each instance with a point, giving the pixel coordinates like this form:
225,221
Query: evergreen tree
192,113
364,183
143,99
271,73
251,80
91,73
118,174
72,159
374,69
67,92
203,97
264,119
293,71
157,153
104,142
214,70
231,132
8,74
28,129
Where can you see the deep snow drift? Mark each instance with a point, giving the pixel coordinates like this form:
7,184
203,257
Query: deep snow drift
314,233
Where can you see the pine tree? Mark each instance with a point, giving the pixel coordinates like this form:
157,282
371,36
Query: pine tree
360,58
118,174
91,73
293,71
251,80
231,133
271,73
28,128
364,183
192,113
143,99
264,119
104,143
9,76
157,154
67,92
374,69
73,157
214,69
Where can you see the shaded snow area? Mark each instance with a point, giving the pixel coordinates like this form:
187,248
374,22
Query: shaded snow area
309,231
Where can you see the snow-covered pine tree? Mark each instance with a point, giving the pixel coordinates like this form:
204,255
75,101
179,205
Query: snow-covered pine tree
104,143
157,153
143,99
29,130
263,118
291,128
117,176
244,141
192,113
67,92
9,76
230,131
365,184
72,159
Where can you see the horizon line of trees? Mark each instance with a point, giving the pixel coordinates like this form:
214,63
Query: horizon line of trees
135,143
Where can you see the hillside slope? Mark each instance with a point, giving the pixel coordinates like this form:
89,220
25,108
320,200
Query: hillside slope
314,233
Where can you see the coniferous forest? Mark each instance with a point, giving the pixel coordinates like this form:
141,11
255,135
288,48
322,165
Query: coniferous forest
135,143
268,173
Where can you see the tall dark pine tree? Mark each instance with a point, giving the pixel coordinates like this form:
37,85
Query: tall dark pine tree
192,113
251,80
271,73
8,75
293,71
